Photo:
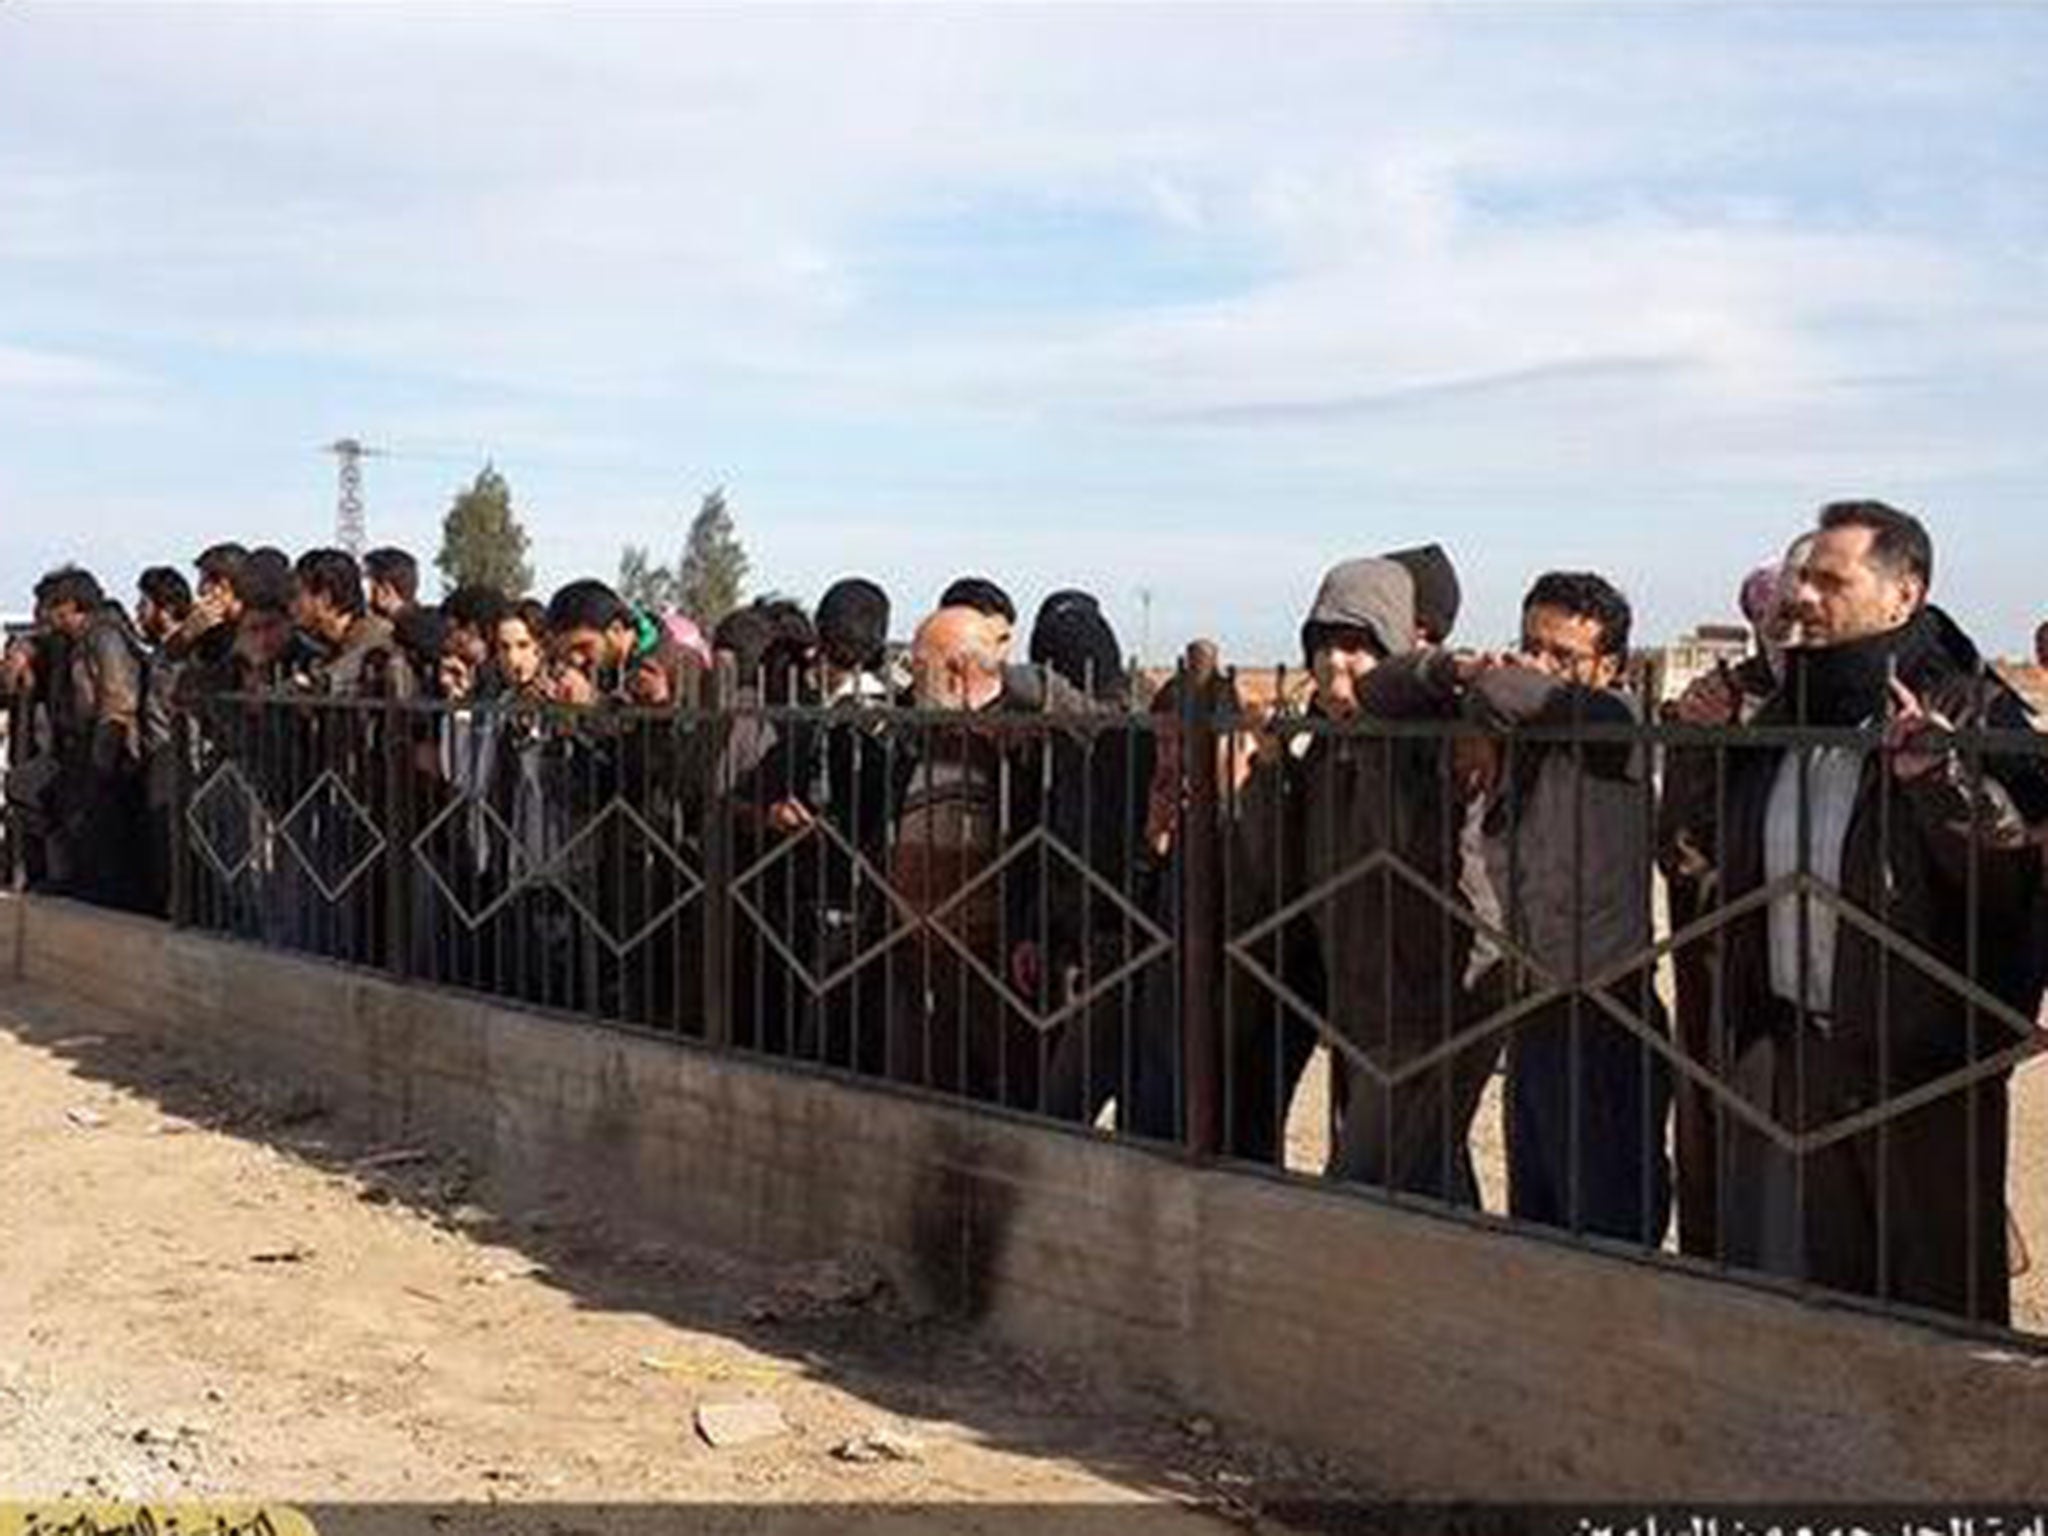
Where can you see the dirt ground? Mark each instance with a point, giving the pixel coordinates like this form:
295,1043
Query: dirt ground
210,1291
207,1289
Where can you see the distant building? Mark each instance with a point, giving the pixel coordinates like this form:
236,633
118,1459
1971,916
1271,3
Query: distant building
1678,665
2031,683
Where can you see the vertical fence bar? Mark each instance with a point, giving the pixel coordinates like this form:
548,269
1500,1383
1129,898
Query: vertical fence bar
398,846
717,893
1199,1041
181,798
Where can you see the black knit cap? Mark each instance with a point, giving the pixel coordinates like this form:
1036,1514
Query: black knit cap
1437,594
853,624
1071,636
980,594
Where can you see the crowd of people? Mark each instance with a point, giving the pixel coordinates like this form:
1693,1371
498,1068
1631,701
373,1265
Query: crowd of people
970,864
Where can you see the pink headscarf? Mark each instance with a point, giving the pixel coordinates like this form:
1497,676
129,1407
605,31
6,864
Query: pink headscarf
1759,597
683,631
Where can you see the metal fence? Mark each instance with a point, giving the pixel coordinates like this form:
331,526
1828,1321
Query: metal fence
1562,974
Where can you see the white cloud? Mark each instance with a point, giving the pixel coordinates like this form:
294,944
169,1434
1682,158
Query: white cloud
1456,250
34,370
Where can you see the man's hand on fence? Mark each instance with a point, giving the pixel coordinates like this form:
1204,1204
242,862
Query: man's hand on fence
1712,699
1470,666
648,684
456,677
788,816
1911,720
1476,763
1024,969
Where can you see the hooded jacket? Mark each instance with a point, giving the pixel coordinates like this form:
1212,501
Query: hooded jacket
1377,596
1390,958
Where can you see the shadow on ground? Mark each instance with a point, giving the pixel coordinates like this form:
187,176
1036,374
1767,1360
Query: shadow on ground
840,1324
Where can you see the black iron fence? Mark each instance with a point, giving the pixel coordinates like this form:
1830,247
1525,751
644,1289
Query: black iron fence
1748,997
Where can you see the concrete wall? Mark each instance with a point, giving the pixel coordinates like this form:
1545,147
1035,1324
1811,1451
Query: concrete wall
1434,1358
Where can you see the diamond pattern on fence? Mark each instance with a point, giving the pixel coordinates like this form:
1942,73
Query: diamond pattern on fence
334,839
1159,942
865,874
2031,1039
1242,949
226,810
633,835
447,827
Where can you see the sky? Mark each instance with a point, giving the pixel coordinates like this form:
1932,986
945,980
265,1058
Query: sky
1181,300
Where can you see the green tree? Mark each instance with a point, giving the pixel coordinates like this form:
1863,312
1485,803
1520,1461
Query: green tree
643,583
482,543
712,574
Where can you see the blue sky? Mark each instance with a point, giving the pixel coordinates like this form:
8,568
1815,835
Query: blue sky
1189,299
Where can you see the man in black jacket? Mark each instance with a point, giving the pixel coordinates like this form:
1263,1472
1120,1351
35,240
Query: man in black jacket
1862,845
163,602
97,709
829,777
1367,815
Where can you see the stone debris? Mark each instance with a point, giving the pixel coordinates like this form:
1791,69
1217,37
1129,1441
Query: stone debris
820,1290
725,1426
296,1254
879,1445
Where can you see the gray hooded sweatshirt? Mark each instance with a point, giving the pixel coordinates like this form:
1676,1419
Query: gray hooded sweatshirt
1374,595
1390,961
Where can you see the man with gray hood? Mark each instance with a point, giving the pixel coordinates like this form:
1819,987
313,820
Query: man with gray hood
1387,957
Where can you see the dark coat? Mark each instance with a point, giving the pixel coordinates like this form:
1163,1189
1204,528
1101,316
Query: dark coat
1943,862
1391,962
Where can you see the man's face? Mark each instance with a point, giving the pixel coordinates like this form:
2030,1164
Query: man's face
1567,646
1000,633
263,635
1339,665
218,593
69,619
582,650
468,643
518,653
150,619
384,599
937,679
1842,595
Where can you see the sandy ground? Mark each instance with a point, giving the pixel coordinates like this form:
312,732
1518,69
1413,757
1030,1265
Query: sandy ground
207,1289
211,1292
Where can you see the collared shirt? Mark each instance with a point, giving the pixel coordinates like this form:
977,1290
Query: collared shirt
853,690
1833,775
863,688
